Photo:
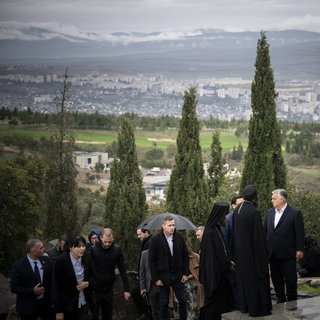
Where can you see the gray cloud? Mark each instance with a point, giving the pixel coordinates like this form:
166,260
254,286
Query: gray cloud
50,30
106,16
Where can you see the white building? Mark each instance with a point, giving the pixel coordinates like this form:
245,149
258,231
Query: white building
155,190
89,159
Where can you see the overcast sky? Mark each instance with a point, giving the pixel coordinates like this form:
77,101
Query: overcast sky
106,16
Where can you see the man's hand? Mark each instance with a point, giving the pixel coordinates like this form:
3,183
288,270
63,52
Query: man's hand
159,283
59,316
299,255
143,291
184,278
127,295
82,285
38,289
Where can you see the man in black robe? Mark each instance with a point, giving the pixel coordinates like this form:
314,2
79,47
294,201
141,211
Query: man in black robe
214,265
249,251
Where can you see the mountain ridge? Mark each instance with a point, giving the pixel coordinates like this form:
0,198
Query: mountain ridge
294,53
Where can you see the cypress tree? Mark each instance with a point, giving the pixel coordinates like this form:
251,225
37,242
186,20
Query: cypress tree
264,165
126,201
216,175
61,201
187,193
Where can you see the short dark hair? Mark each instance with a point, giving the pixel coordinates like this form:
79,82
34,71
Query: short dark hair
75,241
167,218
63,237
31,244
235,198
144,230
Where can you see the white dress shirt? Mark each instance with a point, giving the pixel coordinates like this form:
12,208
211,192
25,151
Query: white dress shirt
79,272
39,265
170,243
278,214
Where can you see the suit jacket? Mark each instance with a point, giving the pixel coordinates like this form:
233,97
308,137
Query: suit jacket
144,271
22,282
64,292
162,263
288,236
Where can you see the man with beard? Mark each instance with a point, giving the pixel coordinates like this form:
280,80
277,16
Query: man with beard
138,294
249,251
106,257
215,264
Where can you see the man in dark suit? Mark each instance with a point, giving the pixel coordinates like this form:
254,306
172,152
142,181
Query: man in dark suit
285,237
169,266
31,281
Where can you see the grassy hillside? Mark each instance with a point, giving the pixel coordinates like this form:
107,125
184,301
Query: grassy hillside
144,139
306,177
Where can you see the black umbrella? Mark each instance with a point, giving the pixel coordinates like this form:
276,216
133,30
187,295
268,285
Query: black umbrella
155,222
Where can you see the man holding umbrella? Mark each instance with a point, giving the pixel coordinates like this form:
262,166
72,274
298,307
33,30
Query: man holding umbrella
169,266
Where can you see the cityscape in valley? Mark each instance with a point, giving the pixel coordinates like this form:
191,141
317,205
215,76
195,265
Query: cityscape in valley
97,90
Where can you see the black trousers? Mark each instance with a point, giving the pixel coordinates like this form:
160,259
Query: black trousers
42,311
103,301
284,275
179,290
154,299
82,313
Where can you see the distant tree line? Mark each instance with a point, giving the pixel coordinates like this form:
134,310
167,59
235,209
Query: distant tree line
99,121
304,142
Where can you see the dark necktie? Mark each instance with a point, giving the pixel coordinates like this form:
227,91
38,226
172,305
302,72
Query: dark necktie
37,272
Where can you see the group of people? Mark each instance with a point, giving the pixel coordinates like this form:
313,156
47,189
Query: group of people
234,269
74,280
71,281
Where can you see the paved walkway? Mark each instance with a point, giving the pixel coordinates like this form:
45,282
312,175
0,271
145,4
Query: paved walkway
306,309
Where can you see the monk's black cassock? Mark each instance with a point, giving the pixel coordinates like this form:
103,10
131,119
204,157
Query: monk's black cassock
249,251
214,266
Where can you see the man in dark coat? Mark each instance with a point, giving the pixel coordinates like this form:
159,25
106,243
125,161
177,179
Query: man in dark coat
285,237
215,264
106,257
169,266
249,251
31,281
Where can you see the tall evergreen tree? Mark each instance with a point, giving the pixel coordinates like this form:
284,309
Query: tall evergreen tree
215,172
61,184
187,193
126,201
21,206
264,165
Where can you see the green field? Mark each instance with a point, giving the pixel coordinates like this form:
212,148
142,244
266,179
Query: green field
144,139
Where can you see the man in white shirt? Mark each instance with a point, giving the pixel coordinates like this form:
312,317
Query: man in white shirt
169,266
285,239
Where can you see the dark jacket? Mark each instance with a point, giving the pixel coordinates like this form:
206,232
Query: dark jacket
162,263
105,261
64,292
288,236
53,254
22,282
